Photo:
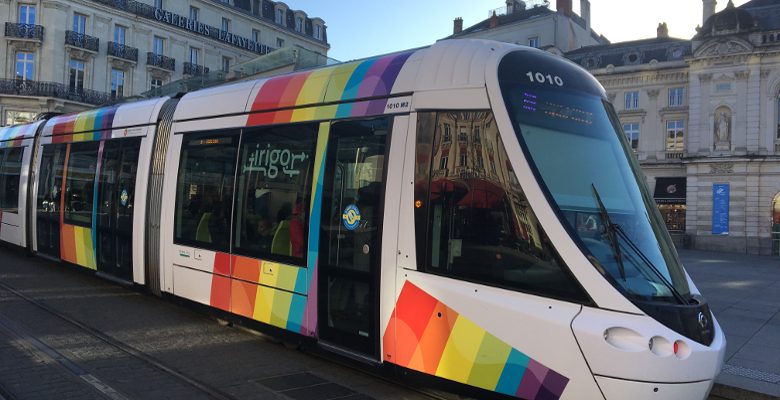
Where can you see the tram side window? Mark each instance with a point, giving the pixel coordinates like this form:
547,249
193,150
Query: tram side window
473,221
272,200
10,172
204,190
80,183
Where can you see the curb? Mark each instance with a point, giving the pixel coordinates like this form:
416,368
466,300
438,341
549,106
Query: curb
724,392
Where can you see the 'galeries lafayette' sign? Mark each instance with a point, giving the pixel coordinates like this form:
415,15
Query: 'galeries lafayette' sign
210,31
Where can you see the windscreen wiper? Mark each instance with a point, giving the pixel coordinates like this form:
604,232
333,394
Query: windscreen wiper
650,264
609,231
612,230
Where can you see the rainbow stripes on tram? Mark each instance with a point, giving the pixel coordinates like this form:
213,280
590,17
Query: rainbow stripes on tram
426,335
77,245
13,136
84,126
333,86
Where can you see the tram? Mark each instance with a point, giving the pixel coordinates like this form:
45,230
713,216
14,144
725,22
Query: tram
468,212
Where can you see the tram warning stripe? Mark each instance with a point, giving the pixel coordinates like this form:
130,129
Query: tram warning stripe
426,335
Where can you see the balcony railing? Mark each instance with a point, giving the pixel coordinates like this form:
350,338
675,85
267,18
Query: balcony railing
160,61
20,87
122,51
82,41
194,69
671,155
24,31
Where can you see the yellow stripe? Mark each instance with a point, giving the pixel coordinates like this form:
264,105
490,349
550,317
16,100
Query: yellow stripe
281,308
263,303
460,351
89,249
314,87
490,363
338,82
78,239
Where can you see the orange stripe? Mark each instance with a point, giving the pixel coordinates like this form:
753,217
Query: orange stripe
242,298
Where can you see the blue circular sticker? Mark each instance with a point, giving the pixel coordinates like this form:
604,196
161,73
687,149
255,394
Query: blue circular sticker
124,197
351,217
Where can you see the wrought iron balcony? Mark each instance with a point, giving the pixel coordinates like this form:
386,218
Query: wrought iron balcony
160,61
122,51
20,87
82,41
194,69
24,31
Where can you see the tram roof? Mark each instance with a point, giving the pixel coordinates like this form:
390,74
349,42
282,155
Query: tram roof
446,64
13,135
106,118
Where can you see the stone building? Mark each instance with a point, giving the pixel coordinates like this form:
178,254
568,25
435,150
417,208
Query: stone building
532,23
68,55
703,117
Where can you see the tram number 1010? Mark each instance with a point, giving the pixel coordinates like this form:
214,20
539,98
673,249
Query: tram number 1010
538,77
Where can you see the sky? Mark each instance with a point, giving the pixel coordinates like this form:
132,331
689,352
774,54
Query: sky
364,28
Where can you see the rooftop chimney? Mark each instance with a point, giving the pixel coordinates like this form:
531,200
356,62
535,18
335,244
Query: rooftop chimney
457,26
493,20
564,7
663,30
707,10
585,13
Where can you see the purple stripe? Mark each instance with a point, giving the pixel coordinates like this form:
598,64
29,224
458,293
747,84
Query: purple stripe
390,75
374,76
377,107
359,109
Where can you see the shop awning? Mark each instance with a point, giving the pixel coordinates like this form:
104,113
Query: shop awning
670,190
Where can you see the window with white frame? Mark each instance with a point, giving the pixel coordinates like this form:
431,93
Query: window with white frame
120,34
632,134
117,83
158,3
194,13
447,133
676,96
279,16
279,43
256,35
25,66
632,100
317,32
225,64
443,162
27,14
155,83
533,41
194,55
675,135
158,46
76,76
464,158
225,24
298,24
79,23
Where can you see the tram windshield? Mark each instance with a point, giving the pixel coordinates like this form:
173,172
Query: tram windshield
574,141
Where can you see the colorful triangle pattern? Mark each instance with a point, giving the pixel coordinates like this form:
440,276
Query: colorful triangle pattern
426,335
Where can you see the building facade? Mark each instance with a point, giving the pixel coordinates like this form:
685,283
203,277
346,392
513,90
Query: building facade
703,118
68,55
532,23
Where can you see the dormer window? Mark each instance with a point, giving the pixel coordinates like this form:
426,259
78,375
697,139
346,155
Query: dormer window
298,24
280,16
318,32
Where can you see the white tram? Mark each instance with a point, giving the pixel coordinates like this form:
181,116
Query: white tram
468,212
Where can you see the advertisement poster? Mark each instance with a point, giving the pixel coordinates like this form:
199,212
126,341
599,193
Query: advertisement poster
720,209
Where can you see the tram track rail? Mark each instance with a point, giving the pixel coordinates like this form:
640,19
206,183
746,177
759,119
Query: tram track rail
107,391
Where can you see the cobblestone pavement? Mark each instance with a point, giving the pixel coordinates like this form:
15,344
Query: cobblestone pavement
68,335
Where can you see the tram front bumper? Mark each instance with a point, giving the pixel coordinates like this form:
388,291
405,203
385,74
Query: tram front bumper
634,390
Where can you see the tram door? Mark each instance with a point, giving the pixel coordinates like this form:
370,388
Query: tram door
116,190
49,199
350,237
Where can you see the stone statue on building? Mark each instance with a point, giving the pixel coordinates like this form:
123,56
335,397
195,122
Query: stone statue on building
723,130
